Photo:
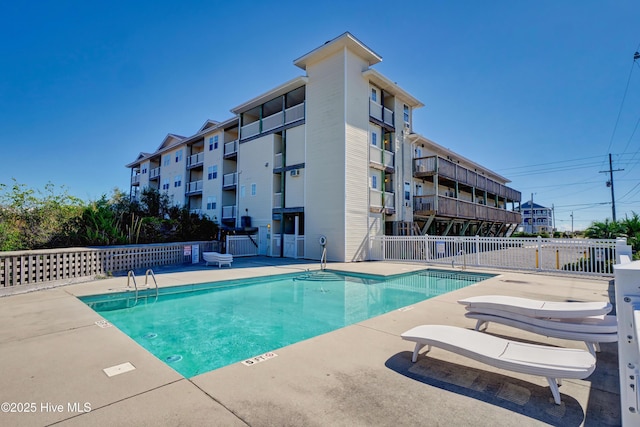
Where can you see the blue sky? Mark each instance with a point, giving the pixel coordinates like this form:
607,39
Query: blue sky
539,91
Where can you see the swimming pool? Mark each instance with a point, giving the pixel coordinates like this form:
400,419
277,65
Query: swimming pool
199,328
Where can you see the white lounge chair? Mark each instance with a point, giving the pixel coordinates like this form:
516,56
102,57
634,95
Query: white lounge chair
215,257
553,363
577,321
536,308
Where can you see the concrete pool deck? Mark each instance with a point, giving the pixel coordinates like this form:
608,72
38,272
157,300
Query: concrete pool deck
52,356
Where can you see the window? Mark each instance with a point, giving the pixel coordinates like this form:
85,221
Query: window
165,184
407,191
211,202
374,94
253,189
144,170
215,142
177,181
212,172
406,113
374,182
210,143
242,191
374,139
167,160
178,156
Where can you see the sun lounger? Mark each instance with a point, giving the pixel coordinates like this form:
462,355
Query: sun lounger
591,330
553,363
577,321
535,308
215,257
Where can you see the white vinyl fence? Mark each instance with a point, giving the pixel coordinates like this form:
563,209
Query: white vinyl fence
242,245
575,256
49,265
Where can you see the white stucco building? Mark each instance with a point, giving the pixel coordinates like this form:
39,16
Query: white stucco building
329,153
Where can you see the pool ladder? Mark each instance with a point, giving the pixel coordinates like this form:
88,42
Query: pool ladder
131,276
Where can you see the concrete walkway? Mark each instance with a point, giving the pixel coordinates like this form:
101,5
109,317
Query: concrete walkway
52,356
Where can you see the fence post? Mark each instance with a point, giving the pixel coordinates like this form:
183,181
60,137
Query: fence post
538,250
622,249
628,312
477,249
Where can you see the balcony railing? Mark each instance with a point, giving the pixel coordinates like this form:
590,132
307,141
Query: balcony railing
273,121
382,158
230,148
456,208
195,160
380,113
294,113
277,200
228,212
431,165
194,187
277,161
381,200
135,180
230,180
252,129
195,211
154,173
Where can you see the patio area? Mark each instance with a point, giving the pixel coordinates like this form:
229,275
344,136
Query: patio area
53,354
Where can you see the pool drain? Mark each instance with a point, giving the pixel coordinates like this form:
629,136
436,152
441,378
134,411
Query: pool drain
150,335
173,358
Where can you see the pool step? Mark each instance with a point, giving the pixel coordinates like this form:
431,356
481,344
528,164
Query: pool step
320,276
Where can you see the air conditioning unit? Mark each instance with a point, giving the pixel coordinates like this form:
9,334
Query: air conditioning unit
295,172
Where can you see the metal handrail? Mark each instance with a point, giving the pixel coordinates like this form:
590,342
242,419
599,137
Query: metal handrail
153,276
323,259
131,275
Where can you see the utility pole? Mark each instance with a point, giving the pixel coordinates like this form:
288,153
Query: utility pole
571,223
532,232
610,184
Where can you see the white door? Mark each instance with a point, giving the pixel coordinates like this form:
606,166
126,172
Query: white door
289,250
263,240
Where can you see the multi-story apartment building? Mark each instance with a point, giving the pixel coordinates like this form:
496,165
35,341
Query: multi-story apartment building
330,153
536,220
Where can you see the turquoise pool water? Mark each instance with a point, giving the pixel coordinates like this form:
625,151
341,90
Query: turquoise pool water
198,328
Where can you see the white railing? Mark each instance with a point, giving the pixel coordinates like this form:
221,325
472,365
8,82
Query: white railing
242,245
67,265
135,179
154,173
250,130
195,160
380,199
194,186
230,148
228,212
275,245
381,157
277,161
388,116
230,179
389,200
375,110
627,298
570,256
272,121
277,200
294,113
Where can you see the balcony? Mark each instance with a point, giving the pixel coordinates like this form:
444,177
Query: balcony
228,213
381,201
230,181
444,168
277,161
273,121
380,113
230,149
195,212
194,187
455,208
195,160
381,159
154,173
277,200
135,179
